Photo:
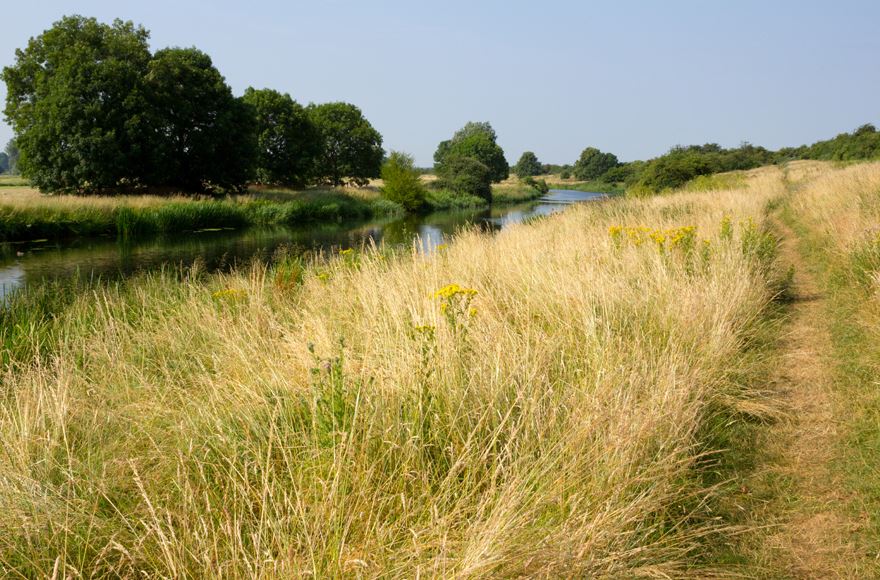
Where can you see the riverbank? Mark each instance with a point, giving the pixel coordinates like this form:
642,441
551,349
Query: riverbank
25,214
540,402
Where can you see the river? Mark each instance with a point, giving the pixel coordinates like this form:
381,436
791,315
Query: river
27,263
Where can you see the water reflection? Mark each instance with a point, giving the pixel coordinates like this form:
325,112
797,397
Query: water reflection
28,263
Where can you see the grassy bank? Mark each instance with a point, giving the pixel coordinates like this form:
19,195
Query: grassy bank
591,186
26,215
542,402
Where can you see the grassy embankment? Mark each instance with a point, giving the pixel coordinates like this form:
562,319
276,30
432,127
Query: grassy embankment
25,214
556,414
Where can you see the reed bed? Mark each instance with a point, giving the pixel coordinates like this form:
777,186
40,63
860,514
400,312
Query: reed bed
541,402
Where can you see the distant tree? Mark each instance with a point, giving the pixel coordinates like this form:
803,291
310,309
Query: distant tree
12,156
288,142
350,146
401,182
203,137
673,170
477,141
4,162
75,101
467,176
528,166
593,164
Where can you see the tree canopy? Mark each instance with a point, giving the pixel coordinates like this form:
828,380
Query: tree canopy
94,110
476,141
350,146
203,136
593,164
76,102
528,165
288,142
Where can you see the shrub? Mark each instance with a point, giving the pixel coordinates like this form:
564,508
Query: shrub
467,176
402,183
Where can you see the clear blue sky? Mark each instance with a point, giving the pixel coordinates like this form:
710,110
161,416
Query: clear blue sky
630,77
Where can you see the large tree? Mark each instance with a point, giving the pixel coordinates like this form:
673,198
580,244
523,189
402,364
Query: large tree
4,162
528,165
287,140
593,164
350,146
476,141
75,100
203,136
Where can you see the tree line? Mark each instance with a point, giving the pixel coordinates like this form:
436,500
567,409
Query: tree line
681,163
94,110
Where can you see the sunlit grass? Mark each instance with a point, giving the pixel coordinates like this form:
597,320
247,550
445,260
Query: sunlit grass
533,403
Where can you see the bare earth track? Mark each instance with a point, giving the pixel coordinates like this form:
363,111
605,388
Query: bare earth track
813,536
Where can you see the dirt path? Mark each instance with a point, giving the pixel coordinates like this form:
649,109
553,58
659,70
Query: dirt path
812,539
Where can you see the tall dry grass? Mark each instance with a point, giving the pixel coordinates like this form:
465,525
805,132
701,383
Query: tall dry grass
337,419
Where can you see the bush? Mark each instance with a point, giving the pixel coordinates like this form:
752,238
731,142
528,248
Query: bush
402,183
467,176
538,184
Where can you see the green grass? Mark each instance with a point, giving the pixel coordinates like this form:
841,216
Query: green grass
717,181
12,181
45,219
590,186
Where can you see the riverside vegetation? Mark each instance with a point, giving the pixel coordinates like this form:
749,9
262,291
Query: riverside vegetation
612,391
545,401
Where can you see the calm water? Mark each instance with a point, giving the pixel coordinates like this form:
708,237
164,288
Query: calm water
27,263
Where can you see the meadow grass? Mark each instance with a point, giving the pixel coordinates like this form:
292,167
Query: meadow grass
546,401
25,214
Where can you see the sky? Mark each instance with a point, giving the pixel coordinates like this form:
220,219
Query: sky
630,77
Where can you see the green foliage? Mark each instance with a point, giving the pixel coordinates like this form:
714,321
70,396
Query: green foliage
593,164
861,144
126,221
683,164
540,185
75,99
528,166
204,137
719,181
288,142
401,182
625,172
466,176
350,146
673,170
445,199
93,110
476,141
4,162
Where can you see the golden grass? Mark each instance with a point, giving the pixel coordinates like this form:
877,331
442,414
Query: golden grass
339,420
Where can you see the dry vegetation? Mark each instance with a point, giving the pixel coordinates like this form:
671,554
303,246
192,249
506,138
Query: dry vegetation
548,416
